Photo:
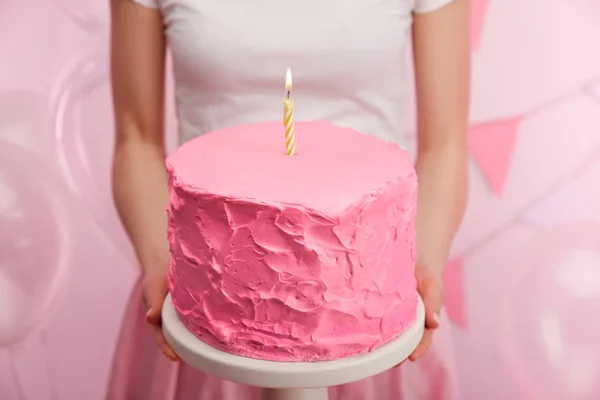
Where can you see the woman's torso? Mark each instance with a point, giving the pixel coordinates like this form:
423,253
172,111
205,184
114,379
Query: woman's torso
347,58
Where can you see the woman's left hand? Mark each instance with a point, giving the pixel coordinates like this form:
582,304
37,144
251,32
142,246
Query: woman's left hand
431,288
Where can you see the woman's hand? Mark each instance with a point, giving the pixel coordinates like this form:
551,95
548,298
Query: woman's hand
442,75
155,291
431,289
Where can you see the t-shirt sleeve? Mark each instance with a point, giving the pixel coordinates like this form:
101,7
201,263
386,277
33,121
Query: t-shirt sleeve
424,6
147,3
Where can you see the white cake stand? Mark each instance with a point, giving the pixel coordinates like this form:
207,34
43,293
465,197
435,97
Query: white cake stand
288,380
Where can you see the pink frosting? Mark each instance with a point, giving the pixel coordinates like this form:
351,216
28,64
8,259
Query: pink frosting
300,258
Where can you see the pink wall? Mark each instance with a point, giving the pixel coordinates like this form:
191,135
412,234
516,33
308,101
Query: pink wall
524,280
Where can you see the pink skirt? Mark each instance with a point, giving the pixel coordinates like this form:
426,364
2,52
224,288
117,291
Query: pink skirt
141,372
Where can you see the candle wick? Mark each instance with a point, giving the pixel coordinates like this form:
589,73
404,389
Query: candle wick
288,94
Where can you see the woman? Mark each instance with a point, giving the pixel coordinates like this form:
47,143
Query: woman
229,62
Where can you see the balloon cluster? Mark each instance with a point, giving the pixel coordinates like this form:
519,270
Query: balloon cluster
35,242
551,317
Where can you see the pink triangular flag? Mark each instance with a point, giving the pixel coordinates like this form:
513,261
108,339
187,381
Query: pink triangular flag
492,145
478,9
453,285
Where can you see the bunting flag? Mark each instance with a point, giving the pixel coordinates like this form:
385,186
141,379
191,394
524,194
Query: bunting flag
478,10
492,145
455,294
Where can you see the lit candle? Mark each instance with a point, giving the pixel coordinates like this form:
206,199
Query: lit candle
288,117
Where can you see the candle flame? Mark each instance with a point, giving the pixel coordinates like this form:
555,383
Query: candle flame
288,80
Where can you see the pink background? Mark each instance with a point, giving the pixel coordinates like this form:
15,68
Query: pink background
524,279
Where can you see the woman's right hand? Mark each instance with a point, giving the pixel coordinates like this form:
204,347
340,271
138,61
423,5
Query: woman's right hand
155,291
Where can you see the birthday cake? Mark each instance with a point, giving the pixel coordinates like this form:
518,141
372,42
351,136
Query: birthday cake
292,258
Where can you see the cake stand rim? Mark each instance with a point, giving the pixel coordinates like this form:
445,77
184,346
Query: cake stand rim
287,374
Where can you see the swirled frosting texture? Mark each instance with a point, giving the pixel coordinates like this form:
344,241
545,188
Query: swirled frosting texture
300,258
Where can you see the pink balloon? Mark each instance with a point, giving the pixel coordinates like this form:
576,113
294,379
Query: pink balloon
551,317
35,243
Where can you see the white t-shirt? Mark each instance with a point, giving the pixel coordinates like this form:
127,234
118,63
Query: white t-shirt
347,59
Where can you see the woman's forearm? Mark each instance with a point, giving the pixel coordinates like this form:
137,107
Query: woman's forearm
140,195
442,199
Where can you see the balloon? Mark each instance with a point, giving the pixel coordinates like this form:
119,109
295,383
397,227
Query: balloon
22,115
84,73
36,232
550,332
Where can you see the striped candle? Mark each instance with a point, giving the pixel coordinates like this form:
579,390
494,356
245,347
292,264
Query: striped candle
288,117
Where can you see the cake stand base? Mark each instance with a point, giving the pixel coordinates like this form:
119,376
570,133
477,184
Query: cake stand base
288,380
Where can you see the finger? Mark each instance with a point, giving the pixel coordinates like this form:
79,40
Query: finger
155,293
153,316
432,320
423,346
164,346
432,293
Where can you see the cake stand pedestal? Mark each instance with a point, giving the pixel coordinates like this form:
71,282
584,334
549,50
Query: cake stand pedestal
288,380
